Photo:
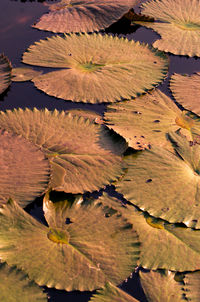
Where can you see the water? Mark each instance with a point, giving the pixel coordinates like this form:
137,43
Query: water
16,35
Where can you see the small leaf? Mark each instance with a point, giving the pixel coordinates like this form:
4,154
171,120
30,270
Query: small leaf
5,73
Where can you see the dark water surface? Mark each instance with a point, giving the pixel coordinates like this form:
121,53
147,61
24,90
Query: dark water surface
16,35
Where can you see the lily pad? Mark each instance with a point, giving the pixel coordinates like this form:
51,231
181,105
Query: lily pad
24,171
148,119
82,255
161,286
84,156
186,90
84,15
112,293
178,24
15,286
156,236
154,172
192,286
5,73
22,74
96,68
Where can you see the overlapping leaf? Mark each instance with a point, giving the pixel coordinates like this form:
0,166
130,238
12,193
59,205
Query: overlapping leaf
178,24
96,68
156,236
24,171
15,286
161,286
154,172
147,120
22,74
186,90
192,286
82,255
5,73
112,293
84,156
84,15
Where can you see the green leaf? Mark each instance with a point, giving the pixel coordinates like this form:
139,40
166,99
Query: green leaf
84,15
84,156
161,286
24,170
186,90
16,287
148,119
5,73
96,76
177,22
22,74
156,236
82,255
112,293
154,172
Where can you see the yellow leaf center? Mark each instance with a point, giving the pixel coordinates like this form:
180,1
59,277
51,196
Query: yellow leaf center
58,236
184,121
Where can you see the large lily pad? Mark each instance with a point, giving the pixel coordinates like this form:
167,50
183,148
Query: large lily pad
112,293
96,68
24,171
84,156
186,90
154,172
178,24
156,236
15,286
161,286
82,255
148,119
84,15
192,286
5,73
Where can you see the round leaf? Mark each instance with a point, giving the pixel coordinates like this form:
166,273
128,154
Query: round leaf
15,286
96,68
84,15
22,74
5,73
186,90
24,171
161,286
148,119
156,236
112,293
178,24
82,255
84,156
154,172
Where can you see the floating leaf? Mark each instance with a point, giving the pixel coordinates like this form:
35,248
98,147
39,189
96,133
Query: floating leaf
22,74
161,286
82,255
156,236
154,172
112,293
147,120
186,90
15,286
192,286
24,171
84,15
84,156
177,22
5,73
96,68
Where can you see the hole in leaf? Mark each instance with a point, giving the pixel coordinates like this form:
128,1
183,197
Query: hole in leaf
156,121
148,180
68,220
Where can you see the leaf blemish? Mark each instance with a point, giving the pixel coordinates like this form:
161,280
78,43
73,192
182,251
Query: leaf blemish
148,180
